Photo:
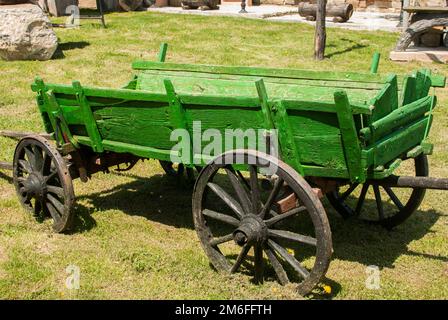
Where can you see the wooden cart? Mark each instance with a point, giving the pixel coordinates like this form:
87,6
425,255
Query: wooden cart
342,134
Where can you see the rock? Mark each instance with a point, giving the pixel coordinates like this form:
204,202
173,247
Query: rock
26,33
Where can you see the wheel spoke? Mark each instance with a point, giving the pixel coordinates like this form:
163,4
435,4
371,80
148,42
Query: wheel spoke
228,199
53,211
285,215
361,199
393,197
259,263
46,166
31,157
239,189
289,258
221,217
240,258
243,179
379,202
272,196
56,203
254,189
291,236
50,176
37,207
23,164
349,191
279,271
56,190
38,158
215,241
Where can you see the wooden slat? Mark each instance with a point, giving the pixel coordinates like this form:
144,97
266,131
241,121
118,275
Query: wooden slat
262,72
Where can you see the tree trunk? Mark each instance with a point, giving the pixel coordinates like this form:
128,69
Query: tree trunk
343,11
320,37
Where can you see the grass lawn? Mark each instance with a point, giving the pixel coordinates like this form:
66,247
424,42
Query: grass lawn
134,235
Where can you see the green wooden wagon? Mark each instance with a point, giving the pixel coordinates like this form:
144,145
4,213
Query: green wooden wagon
341,134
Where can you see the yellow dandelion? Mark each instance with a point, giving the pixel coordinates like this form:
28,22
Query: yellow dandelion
327,289
291,251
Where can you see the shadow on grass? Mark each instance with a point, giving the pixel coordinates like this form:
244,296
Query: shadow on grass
7,177
62,47
166,200
354,46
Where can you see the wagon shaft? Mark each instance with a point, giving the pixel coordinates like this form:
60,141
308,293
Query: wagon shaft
413,182
5,166
19,135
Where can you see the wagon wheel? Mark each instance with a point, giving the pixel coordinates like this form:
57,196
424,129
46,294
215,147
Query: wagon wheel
178,170
401,203
42,181
232,215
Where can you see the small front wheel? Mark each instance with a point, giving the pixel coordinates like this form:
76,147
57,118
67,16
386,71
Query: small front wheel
42,181
283,231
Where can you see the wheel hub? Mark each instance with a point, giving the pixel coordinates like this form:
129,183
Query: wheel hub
251,230
34,185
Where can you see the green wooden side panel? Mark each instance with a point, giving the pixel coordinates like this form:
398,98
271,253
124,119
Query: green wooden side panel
318,139
145,124
225,120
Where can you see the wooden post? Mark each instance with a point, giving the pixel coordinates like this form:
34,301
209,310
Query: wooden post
405,15
320,37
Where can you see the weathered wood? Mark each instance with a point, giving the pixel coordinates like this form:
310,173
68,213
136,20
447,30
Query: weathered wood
5,165
321,133
396,119
351,145
342,12
320,37
19,134
423,23
412,182
130,5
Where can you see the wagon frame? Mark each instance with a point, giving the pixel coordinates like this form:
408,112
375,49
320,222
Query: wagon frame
329,139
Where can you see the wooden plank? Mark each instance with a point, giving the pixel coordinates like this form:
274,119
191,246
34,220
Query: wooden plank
396,119
162,52
177,117
397,143
261,72
295,81
264,103
125,94
89,120
218,87
120,147
387,100
327,107
289,150
352,148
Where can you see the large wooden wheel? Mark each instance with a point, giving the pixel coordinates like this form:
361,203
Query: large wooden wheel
391,206
42,181
241,225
